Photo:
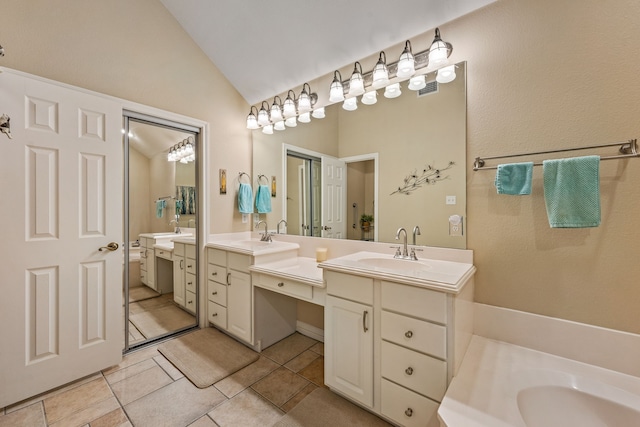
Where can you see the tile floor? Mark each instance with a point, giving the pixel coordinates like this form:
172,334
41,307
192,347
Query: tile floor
145,389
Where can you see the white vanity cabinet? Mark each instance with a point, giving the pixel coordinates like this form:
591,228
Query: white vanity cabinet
184,277
147,262
393,347
229,304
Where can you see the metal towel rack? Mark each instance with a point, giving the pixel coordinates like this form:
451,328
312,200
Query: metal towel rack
627,149
263,176
240,174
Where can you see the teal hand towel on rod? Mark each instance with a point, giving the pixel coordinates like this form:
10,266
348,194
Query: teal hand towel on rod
514,178
572,192
263,199
160,205
245,198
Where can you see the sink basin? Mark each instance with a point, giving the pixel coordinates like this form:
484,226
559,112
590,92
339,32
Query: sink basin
396,264
558,406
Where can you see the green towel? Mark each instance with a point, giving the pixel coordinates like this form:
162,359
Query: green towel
572,192
514,178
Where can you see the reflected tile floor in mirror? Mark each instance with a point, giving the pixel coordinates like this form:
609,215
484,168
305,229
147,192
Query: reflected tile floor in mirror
145,389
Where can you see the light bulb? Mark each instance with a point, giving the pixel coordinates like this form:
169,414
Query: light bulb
370,98
417,82
392,91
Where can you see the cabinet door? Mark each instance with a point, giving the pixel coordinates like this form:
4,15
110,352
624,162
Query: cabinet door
151,269
178,279
239,305
349,349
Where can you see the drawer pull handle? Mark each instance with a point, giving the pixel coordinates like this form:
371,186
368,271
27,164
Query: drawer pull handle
409,370
228,282
364,321
280,284
189,266
214,314
408,412
215,273
214,293
189,302
181,264
408,334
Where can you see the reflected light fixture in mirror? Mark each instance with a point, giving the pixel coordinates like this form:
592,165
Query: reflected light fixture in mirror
406,63
182,152
252,120
318,113
268,129
446,74
370,98
336,92
417,82
279,125
350,104
289,107
291,122
356,83
392,91
304,117
380,77
263,115
304,101
276,110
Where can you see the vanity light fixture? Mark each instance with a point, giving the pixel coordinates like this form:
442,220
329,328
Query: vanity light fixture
276,109
336,92
252,121
263,115
380,77
370,98
392,91
279,125
446,74
304,101
350,104
183,151
439,51
417,82
406,63
289,107
318,113
304,117
356,83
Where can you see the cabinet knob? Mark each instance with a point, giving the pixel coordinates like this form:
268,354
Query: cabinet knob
189,283
280,284
214,293
408,412
214,314
215,273
189,266
409,370
408,334
189,302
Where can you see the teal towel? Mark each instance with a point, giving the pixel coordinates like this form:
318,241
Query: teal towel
160,205
514,178
179,207
263,199
572,192
245,199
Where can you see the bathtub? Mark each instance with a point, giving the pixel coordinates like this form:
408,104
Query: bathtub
504,385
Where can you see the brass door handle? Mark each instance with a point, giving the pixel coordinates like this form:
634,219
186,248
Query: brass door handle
113,246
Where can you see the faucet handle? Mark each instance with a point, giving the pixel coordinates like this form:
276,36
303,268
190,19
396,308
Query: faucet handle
413,253
398,253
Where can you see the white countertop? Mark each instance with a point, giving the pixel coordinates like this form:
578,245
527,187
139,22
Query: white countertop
253,247
301,269
440,275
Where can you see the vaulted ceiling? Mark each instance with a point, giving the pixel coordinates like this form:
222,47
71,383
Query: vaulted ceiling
268,47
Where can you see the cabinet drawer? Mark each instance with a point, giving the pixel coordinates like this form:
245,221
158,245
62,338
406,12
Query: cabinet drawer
143,264
414,370
217,314
217,293
190,301
178,249
419,302
143,276
163,253
350,287
406,407
413,333
190,265
284,286
190,251
216,256
239,262
190,282
217,273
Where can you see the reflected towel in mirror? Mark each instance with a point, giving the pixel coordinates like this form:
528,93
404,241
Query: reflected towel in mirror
263,199
160,205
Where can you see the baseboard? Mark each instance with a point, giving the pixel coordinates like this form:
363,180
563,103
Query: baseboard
310,331
607,348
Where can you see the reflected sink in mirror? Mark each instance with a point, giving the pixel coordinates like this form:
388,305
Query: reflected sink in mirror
397,264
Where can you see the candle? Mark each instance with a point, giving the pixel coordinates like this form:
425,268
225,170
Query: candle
321,254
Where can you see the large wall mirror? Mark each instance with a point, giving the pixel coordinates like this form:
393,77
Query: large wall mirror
405,163
161,194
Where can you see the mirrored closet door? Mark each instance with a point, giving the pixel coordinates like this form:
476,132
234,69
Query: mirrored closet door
160,222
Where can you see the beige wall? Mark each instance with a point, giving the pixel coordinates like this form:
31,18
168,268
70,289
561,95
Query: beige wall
134,50
541,75
139,198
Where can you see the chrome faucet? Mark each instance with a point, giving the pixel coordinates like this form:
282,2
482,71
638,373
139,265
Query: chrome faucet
266,237
178,231
278,226
416,232
405,251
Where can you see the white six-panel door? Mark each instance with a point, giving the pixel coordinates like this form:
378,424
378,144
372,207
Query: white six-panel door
61,186
334,198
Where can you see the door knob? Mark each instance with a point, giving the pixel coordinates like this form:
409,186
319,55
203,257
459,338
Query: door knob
325,228
113,246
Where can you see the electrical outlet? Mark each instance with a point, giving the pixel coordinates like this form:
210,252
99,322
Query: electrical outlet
455,230
245,218
451,200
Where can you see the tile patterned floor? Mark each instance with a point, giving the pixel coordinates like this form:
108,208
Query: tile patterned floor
145,389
